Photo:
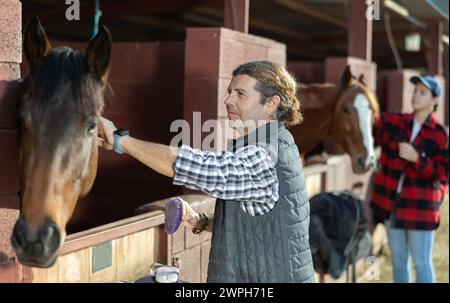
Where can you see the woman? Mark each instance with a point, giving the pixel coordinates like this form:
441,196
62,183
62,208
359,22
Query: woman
411,181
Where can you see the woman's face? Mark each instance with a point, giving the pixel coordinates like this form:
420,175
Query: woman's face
423,98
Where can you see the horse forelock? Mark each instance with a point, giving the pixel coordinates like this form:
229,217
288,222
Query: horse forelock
353,90
63,80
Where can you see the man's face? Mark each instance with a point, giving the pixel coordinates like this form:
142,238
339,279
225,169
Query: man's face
243,101
422,97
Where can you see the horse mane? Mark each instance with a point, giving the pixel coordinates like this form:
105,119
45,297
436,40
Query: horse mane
65,67
314,90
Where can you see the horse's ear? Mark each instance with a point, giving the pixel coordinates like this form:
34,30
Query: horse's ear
346,77
98,54
362,79
35,44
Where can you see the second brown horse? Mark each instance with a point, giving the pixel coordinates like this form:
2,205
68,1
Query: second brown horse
342,112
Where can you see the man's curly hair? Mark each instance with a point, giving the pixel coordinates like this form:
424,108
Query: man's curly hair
272,80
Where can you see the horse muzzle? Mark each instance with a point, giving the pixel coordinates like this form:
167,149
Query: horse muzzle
36,248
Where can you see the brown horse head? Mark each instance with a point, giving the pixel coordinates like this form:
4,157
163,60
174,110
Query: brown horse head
60,103
354,114
343,112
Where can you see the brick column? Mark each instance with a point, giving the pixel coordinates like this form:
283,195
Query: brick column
10,58
446,97
335,66
397,91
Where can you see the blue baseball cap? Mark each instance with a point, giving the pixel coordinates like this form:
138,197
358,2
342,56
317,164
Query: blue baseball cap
429,82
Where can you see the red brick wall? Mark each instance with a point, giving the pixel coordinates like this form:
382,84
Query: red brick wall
395,90
334,67
190,253
307,72
10,58
147,95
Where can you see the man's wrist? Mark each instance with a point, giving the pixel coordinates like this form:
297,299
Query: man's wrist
123,141
201,224
118,136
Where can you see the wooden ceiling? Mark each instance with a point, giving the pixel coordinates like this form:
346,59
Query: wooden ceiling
311,29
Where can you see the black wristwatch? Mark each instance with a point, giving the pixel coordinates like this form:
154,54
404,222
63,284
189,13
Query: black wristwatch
117,134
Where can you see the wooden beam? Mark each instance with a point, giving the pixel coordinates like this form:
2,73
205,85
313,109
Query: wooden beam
435,60
311,11
145,22
235,15
254,22
54,14
359,31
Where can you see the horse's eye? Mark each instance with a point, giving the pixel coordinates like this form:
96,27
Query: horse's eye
346,110
91,127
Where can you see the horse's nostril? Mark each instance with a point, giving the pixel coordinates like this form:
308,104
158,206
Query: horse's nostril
35,245
37,249
50,236
20,233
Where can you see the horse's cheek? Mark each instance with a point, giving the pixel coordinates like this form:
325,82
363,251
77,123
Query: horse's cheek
347,127
88,182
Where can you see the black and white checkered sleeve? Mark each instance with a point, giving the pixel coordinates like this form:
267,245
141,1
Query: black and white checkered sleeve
245,175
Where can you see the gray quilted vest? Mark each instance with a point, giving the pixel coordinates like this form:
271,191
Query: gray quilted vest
273,247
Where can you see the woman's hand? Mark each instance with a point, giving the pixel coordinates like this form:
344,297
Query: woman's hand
105,133
408,152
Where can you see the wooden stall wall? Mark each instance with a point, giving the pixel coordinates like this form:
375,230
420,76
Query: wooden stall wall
120,251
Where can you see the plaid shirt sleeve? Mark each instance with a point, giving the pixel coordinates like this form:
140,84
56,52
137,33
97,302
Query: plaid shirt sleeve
247,175
435,167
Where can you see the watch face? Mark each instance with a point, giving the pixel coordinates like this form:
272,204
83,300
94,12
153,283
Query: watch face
122,132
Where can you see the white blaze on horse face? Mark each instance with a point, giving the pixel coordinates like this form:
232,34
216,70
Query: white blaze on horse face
365,124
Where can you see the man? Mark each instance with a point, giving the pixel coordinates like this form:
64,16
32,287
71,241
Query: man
261,218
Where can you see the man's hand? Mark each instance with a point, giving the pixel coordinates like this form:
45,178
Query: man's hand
190,216
105,133
408,152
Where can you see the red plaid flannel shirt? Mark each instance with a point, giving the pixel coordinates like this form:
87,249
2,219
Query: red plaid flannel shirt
425,181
